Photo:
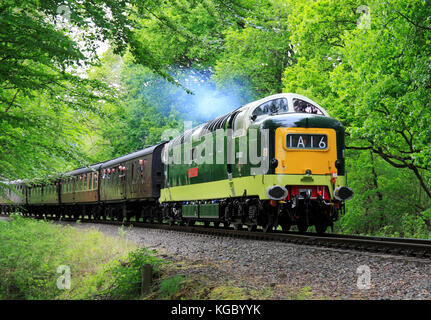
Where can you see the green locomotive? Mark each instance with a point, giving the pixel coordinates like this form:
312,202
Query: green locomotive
278,161
275,161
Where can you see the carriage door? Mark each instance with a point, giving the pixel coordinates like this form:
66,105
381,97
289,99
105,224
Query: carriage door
123,168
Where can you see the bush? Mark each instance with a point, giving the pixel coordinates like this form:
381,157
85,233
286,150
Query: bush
126,276
101,267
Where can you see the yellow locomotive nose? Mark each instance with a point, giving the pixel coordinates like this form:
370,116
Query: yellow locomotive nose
305,151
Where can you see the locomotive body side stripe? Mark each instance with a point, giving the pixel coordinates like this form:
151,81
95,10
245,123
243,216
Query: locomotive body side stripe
254,186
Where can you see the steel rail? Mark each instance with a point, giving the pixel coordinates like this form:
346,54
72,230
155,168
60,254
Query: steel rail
420,248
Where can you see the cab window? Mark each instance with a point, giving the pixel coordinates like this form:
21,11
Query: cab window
272,106
302,106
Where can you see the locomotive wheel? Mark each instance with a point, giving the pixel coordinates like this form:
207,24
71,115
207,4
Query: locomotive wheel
302,227
267,227
285,227
321,227
216,224
206,224
251,227
190,223
226,225
268,223
171,222
237,226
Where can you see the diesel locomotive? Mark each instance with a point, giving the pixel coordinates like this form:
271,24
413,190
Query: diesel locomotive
278,161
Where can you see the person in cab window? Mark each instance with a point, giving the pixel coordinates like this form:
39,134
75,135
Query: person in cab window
302,106
273,106
282,105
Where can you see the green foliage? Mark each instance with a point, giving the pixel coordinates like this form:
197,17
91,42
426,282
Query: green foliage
44,107
387,202
48,104
189,33
375,80
140,116
32,250
28,270
304,294
256,55
170,286
125,276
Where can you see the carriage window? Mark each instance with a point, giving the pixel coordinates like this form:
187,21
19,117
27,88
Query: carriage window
273,106
305,107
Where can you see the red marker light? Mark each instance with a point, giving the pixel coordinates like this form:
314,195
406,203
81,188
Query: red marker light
333,176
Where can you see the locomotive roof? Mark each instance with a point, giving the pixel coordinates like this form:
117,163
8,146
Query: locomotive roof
220,121
288,96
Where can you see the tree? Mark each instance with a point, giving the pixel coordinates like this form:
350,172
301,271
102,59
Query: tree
257,54
374,80
42,60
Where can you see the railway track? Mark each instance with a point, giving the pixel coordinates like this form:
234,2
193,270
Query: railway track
420,248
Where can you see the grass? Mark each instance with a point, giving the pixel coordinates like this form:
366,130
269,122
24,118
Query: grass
36,255
180,287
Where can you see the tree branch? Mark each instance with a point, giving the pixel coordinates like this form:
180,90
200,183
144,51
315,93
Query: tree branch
412,22
11,103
